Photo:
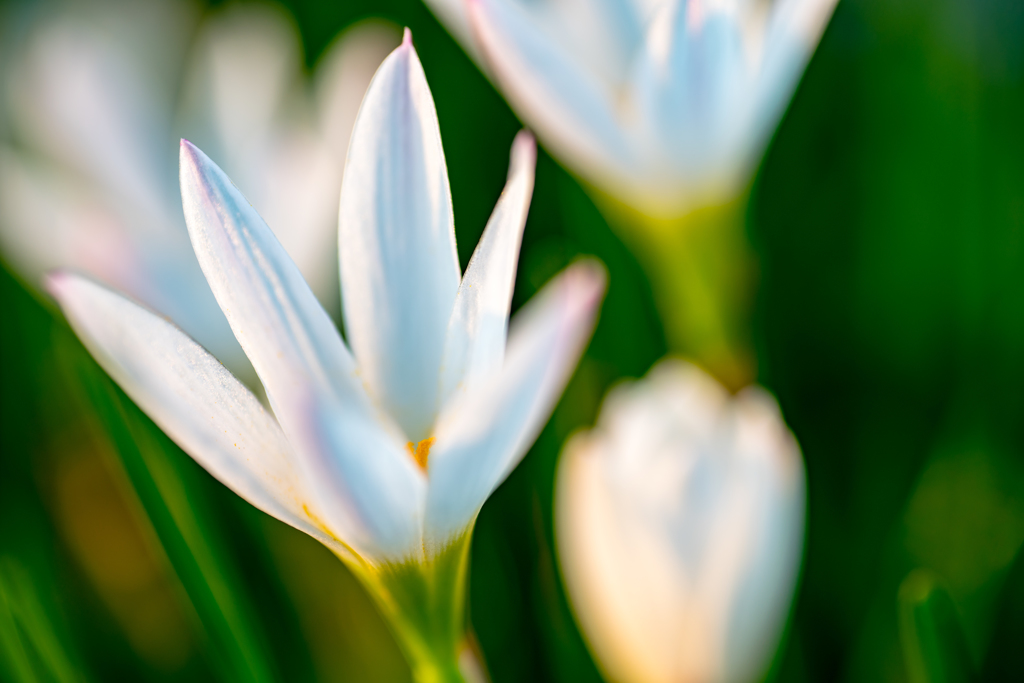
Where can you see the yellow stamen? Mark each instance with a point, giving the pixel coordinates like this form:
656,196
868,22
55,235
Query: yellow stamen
420,451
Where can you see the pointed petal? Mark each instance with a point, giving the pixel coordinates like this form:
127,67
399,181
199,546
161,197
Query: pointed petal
301,360
50,219
475,345
484,433
242,108
191,396
399,267
709,89
278,322
297,189
569,108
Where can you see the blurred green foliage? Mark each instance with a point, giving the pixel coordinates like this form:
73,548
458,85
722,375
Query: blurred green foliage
32,651
888,224
934,647
173,500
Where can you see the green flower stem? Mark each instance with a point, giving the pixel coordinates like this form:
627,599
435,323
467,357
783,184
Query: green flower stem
703,271
425,605
934,645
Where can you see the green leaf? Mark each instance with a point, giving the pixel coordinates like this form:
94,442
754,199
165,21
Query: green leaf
934,646
170,491
29,646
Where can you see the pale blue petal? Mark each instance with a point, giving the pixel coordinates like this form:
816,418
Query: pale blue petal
601,35
483,434
300,358
476,333
453,16
693,91
399,267
50,219
790,37
192,397
571,109
371,486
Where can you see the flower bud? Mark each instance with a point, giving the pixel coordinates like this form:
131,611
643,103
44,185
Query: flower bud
679,527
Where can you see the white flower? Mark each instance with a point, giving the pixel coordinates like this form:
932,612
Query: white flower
384,453
88,182
680,527
665,104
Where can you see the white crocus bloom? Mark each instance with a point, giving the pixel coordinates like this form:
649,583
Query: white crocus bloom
88,181
665,104
384,448
680,523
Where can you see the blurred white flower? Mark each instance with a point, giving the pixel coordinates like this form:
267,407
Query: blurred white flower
680,527
98,95
384,453
665,104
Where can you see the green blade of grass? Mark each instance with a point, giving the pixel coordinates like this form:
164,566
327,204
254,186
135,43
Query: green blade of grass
165,482
29,645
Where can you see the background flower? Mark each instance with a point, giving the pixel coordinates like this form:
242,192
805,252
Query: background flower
88,177
666,105
679,526
664,108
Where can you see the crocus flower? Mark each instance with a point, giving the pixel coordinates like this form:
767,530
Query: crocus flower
679,529
87,178
665,104
384,448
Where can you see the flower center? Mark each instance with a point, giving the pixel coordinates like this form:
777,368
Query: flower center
420,451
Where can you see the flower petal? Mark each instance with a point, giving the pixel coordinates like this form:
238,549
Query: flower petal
804,20
303,363
452,15
569,108
483,434
399,267
97,95
611,593
475,344
364,476
242,108
692,87
679,522
286,334
790,36
50,219
192,397
709,89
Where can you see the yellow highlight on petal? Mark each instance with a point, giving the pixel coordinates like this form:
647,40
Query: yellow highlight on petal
420,451
321,526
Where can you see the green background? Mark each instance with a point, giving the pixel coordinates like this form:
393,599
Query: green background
888,222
